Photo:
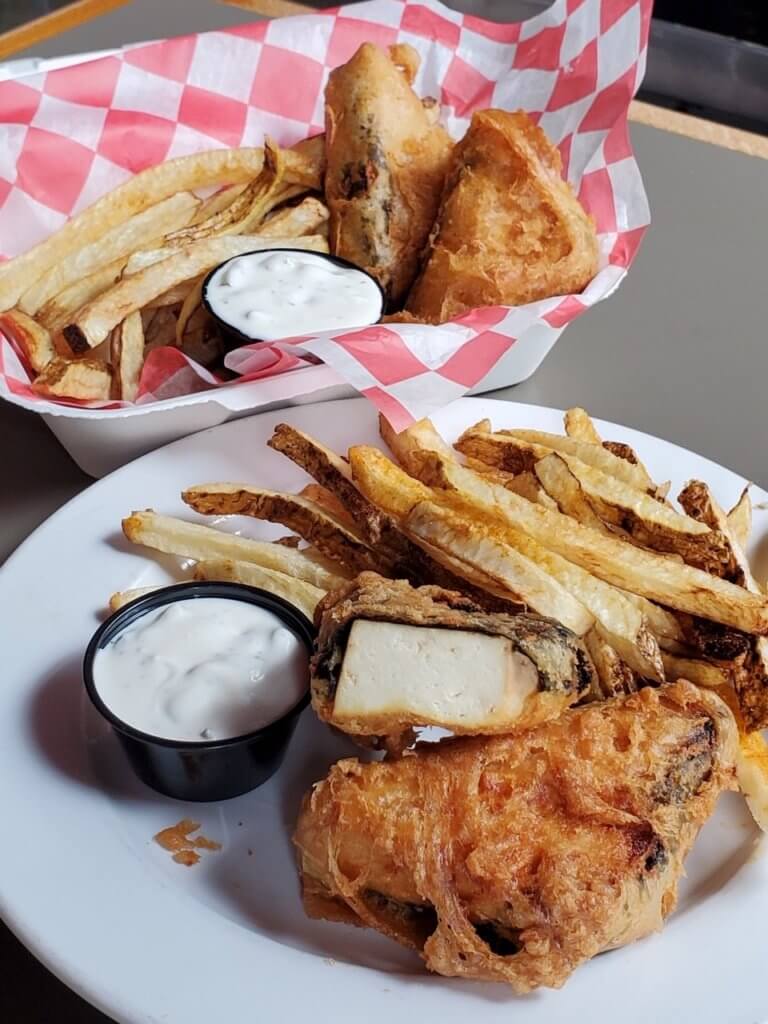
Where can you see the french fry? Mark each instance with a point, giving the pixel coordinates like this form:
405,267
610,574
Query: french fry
625,566
467,542
751,681
119,242
519,450
94,321
203,543
578,425
326,500
305,219
614,677
217,201
527,485
303,595
304,166
752,773
84,379
128,358
648,521
174,295
123,597
333,538
58,310
565,490
695,670
419,436
188,307
245,211
740,519
34,340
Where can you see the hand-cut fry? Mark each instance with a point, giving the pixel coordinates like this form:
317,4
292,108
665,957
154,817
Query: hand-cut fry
418,437
58,310
327,500
84,379
650,575
34,341
119,242
621,621
300,593
217,201
385,484
613,676
578,425
467,542
752,773
695,670
304,166
648,521
418,563
562,486
527,485
123,597
201,543
245,211
310,521
752,680
305,219
663,624
518,450
740,518
189,306
174,295
127,357
95,320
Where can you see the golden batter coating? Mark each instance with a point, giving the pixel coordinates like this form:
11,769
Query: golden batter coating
510,230
517,858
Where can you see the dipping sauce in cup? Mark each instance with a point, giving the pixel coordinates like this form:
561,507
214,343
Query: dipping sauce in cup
284,293
203,684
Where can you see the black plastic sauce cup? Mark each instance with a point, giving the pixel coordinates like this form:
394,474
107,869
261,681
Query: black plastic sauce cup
233,337
205,769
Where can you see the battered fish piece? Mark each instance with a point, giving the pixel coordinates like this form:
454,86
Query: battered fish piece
386,164
516,858
390,656
510,230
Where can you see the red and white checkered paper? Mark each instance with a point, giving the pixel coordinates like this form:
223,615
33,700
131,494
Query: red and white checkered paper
69,135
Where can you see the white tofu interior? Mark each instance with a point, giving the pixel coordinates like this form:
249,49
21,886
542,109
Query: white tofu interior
444,677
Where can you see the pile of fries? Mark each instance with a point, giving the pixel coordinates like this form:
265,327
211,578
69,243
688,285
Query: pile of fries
570,527
85,307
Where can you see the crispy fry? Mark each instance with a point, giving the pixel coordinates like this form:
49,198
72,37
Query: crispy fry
304,166
650,575
55,313
327,500
740,518
123,597
752,773
418,437
562,486
695,670
34,340
578,425
84,379
519,450
752,680
648,521
469,543
202,543
127,358
527,485
188,308
118,243
613,676
305,219
300,593
174,295
217,201
95,320
333,538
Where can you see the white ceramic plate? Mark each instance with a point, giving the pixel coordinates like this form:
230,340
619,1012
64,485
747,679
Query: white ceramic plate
146,940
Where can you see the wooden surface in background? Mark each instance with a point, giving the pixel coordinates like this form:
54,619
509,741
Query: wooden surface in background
81,11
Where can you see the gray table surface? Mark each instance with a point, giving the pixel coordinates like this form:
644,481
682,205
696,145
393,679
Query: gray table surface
680,351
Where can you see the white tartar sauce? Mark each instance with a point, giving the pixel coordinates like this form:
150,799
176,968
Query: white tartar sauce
202,669
270,295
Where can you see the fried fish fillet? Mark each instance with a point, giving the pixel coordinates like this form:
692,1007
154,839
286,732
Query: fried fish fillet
390,656
510,230
516,858
386,164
